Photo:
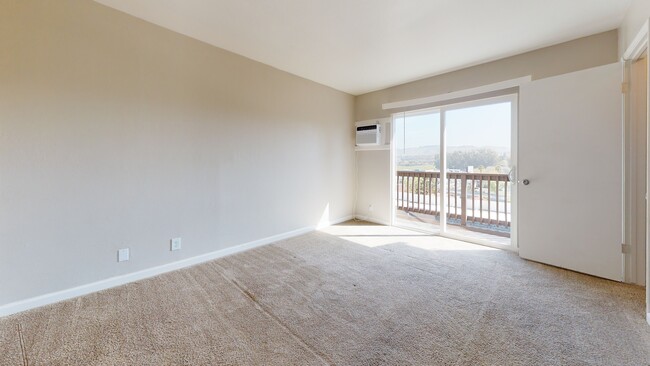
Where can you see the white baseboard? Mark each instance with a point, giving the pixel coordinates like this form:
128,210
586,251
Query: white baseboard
372,219
324,224
54,297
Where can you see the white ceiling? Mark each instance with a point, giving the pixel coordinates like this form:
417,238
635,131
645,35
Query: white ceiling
362,45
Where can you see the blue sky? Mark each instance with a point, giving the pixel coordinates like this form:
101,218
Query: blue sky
487,125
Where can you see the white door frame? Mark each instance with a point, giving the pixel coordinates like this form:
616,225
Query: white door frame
639,45
508,97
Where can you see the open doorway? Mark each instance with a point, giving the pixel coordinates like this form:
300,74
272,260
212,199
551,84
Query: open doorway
636,171
453,170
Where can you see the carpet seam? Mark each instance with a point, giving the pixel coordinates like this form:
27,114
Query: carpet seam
192,277
23,351
323,357
481,314
471,336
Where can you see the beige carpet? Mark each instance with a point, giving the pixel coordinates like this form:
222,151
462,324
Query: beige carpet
352,295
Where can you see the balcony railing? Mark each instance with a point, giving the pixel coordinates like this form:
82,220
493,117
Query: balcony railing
478,201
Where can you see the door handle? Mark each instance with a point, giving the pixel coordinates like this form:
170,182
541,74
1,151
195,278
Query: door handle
525,182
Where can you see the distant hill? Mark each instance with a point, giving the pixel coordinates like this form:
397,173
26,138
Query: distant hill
435,150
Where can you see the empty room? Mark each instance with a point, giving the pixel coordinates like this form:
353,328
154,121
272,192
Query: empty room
324,182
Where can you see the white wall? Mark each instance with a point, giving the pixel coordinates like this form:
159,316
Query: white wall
374,167
118,133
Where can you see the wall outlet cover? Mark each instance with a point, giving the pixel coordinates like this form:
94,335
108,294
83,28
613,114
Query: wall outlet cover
175,244
123,255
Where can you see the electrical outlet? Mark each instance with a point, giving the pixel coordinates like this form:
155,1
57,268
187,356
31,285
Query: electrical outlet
370,208
123,255
175,244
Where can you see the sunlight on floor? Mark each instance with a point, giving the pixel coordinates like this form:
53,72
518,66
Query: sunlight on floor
372,235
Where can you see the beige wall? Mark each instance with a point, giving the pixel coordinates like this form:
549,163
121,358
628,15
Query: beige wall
373,184
596,50
118,133
373,167
638,13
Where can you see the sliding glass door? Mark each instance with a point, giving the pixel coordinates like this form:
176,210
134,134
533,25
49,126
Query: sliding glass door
453,168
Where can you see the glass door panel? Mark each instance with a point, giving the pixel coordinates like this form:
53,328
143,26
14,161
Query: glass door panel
478,144
416,196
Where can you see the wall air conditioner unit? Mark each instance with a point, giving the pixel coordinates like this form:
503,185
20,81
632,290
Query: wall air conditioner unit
368,135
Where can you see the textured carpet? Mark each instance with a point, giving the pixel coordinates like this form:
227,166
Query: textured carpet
350,295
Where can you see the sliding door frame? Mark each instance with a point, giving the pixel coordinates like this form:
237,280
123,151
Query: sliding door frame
513,99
